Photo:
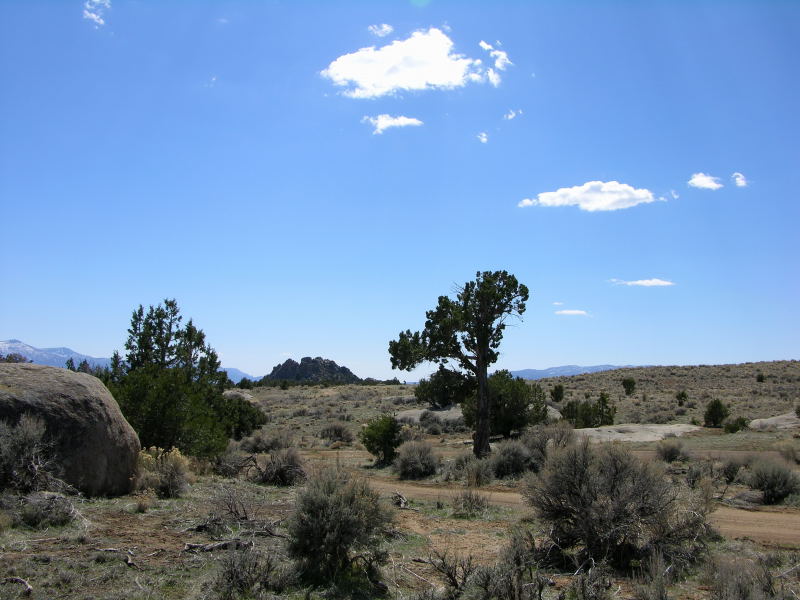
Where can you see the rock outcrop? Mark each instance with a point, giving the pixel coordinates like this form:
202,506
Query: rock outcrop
95,447
313,370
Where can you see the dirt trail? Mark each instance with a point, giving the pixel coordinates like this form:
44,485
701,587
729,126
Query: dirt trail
771,527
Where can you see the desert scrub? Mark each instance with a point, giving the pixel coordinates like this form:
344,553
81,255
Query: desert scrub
381,437
541,439
336,432
469,504
415,460
267,440
776,481
282,468
511,458
26,463
670,450
337,528
164,471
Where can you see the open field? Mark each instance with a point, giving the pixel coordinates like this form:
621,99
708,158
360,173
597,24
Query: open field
118,549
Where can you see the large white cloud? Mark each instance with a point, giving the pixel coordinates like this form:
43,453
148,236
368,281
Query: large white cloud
655,282
594,196
423,61
94,11
383,122
705,182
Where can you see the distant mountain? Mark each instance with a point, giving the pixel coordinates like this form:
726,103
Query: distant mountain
53,357
564,371
313,369
235,375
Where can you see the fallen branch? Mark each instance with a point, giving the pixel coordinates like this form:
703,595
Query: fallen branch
28,589
401,502
224,545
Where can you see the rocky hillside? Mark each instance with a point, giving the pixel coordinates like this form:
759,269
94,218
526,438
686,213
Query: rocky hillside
314,370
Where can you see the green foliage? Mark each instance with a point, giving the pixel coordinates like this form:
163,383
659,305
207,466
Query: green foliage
760,377
681,397
737,424
13,357
629,385
513,403
557,393
170,386
775,480
337,521
381,437
590,414
511,458
716,413
467,330
444,388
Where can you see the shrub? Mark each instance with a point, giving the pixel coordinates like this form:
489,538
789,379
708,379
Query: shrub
716,413
479,472
557,393
469,503
606,504
681,397
47,509
415,460
730,470
381,437
164,471
26,463
283,468
247,574
790,451
590,414
669,450
656,580
737,424
511,458
430,422
775,480
542,439
514,403
267,440
629,385
336,432
337,521
231,462
739,578
444,388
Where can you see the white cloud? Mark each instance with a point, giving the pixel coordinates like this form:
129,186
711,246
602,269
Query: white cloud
383,122
483,137
512,114
501,60
423,61
558,304
674,194
223,21
381,30
593,196
94,11
569,312
705,182
644,282
493,76
739,179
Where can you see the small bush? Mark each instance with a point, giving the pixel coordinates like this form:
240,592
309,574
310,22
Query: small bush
46,509
231,462
510,458
739,578
26,463
469,504
775,480
267,440
415,460
247,574
669,450
283,468
730,470
716,413
431,423
336,432
336,519
790,451
381,437
479,472
737,424
681,397
165,471
545,438
655,580
629,385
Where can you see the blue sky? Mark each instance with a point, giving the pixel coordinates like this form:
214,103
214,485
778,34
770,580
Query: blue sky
306,178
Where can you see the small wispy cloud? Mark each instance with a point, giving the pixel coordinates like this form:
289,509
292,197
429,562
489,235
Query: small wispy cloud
704,181
644,282
223,21
483,137
739,179
512,114
674,194
94,11
594,196
383,122
572,313
558,304
381,30
501,60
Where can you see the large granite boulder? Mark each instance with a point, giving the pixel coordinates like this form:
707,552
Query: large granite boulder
94,445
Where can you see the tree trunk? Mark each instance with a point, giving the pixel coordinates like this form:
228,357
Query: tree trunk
480,439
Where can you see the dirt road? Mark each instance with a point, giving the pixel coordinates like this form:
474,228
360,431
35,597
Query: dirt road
774,527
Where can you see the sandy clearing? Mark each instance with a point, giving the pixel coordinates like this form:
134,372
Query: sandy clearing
635,432
784,421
